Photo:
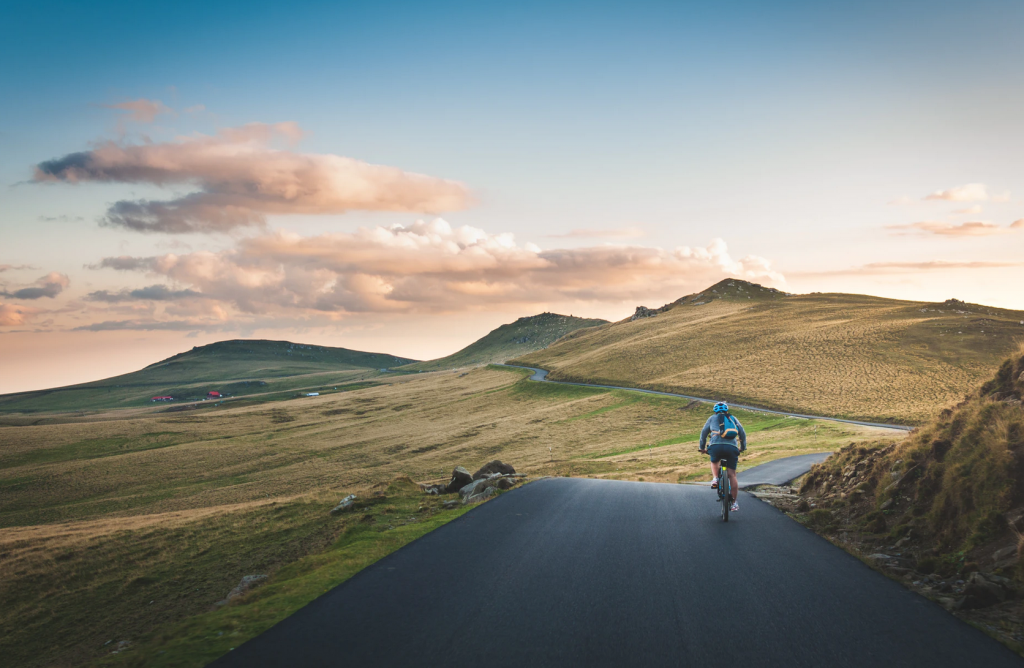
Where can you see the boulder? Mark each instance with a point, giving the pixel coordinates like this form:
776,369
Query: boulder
1005,553
480,496
344,505
492,467
476,487
506,483
460,478
247,583
980,593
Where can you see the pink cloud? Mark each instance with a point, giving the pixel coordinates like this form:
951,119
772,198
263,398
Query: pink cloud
142,110
590,233
12,315
431,267
971,229
971,192
885,268
241,178
50,286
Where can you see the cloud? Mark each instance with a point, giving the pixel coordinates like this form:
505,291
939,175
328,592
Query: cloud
241,178
972,192
195,109
12,315
431,267
977,208
590,233
1017,224
971,229
876,268
150,293
15,267
142,110
61,219
121,263
1005,197
50,286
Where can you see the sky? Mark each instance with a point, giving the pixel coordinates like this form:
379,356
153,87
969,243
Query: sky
403,177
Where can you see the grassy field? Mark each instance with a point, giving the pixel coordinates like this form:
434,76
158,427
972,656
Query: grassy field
266,369
850,356
130,526
518,338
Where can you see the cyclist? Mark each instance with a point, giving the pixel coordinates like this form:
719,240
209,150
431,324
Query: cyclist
724,430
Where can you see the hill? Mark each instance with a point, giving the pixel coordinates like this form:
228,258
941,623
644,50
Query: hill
236,368
943,510
842,355
518,338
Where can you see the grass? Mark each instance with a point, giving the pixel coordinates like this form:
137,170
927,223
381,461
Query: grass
895,361
954,481
95,523
518,338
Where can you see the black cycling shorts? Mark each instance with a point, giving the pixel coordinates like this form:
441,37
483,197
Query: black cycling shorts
723,452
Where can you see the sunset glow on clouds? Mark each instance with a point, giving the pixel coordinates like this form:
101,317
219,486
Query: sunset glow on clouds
241,177
970,229
427,267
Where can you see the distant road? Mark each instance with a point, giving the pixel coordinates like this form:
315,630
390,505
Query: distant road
542,375
779,471
580,572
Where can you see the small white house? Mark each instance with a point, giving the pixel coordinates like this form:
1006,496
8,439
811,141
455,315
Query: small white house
312,394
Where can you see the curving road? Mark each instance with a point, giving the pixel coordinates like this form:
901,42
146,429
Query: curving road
579,572
542,375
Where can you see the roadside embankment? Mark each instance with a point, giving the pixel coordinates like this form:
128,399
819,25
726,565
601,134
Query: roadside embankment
942,511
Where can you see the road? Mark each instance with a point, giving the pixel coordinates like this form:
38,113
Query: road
579,572
542,375
779,471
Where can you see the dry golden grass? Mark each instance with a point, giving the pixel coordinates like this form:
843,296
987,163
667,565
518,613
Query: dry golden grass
102,516
851,356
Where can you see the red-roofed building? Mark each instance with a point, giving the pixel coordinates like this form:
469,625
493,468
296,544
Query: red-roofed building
213,395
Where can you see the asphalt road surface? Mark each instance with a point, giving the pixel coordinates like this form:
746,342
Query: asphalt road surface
780,471
542,375
579,572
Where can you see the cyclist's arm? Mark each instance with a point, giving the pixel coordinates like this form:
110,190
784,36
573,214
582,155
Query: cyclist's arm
743,436
704,435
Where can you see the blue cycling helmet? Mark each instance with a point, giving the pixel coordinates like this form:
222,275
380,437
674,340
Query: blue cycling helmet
721,407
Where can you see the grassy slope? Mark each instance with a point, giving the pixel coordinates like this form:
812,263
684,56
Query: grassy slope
953,483
518,338
947,501
240,367
850,356
100,517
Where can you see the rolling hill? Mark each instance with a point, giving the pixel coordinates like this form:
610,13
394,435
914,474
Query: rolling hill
236,368
842,355
518,338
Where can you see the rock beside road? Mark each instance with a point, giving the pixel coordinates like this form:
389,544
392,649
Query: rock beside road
344,504
247,583
460,478
492,467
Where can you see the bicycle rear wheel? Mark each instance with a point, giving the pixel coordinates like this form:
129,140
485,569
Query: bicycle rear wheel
726,492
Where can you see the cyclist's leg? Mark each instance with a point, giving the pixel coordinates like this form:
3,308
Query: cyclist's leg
730,463
716,460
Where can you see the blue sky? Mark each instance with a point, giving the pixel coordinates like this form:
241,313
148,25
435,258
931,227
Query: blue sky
807,135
